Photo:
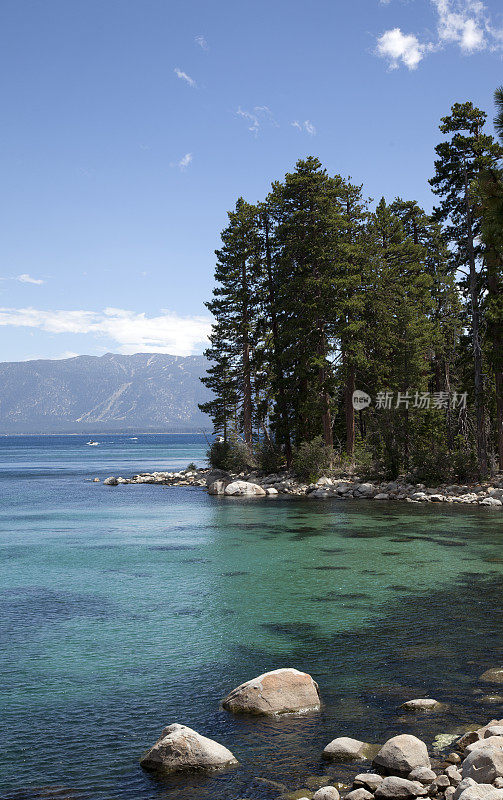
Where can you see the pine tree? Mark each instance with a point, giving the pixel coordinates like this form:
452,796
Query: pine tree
305,209
234,307
461,160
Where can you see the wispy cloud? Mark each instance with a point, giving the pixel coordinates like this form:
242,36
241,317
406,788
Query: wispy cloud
25,278
184,77
185,161
256,118
305,126
201,41
465,23
130,331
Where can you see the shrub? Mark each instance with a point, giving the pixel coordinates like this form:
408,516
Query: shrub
233,455
191,467
269,459
312,459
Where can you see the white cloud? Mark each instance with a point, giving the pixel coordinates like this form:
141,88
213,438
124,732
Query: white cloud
306,126
25,278
201,41
465,23
257,117
184,77
185,161
397,46
130,331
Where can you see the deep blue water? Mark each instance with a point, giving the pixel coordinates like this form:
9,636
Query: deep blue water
124,609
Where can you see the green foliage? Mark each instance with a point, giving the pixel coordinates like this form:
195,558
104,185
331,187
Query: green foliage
269,458
232,455
312,459
191,467
218,454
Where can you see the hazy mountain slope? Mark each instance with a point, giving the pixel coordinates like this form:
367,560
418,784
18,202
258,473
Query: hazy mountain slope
146,391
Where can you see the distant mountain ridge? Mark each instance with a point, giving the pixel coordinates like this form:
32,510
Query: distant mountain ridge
145,391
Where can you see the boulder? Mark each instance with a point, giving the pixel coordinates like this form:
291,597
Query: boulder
218,486
327,793
483,765
359,794
364,490
180,748
346,749
282,691
494,675
422,774
381,496
454,775
401,754
369,780
244,489
271,490
493,730
421,704
491,741
400,788
111,481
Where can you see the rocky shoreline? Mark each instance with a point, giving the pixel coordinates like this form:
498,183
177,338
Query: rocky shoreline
466,767
255,484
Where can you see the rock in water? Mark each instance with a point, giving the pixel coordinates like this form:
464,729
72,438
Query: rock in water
111,481
401,754
494,675
282,691
326,793
180,748
420,704
346,749
244,489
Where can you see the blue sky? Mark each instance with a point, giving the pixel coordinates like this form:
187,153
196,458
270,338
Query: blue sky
130,127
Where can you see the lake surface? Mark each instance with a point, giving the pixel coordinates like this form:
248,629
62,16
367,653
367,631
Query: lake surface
124,609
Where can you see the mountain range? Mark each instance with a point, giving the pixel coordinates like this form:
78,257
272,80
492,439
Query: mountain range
91,394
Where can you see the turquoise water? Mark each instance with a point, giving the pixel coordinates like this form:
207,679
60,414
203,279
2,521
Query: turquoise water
124,609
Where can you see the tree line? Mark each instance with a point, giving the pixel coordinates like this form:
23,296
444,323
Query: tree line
318,294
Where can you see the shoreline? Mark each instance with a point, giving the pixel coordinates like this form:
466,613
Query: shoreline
488,494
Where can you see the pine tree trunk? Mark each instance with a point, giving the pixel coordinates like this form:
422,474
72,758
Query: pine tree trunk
477,350
350,413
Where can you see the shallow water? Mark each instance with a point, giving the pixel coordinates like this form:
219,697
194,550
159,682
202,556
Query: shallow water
126,608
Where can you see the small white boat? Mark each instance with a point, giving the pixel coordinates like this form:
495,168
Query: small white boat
92,444
133,438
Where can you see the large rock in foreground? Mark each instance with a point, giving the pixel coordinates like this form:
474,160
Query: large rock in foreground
401,754
180,748
484,765
282,691
244,489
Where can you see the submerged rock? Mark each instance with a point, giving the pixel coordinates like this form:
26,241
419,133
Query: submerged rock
494,675
421,704
281,691
179,748
401,754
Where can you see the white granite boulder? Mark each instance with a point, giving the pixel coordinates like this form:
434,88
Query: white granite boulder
326,793
401,754
244,489
179,748
281,691
346,749
399,788
420,704
484,764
